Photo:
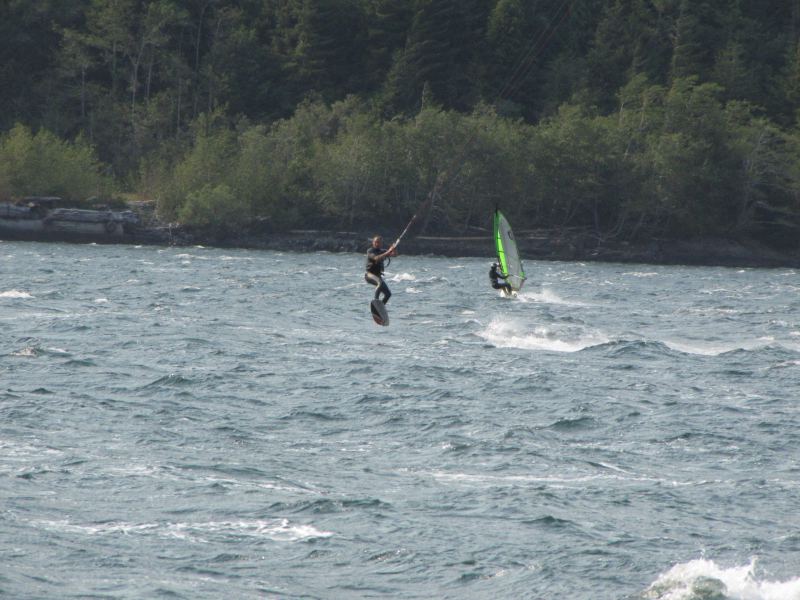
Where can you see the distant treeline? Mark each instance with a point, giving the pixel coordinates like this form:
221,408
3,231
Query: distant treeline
634,118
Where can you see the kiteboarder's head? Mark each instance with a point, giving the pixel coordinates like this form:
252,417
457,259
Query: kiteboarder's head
377,241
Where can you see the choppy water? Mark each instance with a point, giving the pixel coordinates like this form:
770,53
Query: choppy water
203,423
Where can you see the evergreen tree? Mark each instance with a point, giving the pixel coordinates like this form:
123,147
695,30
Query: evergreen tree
389,22
698,29
510,52
632,38
330,52
29,44
443,44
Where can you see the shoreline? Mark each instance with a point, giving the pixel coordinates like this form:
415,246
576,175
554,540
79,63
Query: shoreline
546,245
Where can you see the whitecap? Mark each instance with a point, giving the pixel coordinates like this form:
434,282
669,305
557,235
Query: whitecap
641,274
513,480
547,296
697,577
715,349
788,363
29,352
505,333
98,528
246,258
279,530
403,277
15,294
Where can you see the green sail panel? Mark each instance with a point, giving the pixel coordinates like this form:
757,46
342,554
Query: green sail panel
507,253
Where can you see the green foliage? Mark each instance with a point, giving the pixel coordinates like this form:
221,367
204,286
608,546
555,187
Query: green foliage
388,22
214,207
507,35
769,169
628,117
576,162
206,165
441,51
695,172
42,164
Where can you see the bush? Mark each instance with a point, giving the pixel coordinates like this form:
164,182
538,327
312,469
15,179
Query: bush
41,164
214,207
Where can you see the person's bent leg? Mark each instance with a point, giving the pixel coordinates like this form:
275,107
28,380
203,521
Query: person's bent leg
385,290
374,280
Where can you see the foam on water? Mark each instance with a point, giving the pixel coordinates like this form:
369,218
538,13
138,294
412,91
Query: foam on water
403,277
15,294
241,428
27,352
232,258
514,480
700,579
641,274
547,296
706,348
511,333
279,530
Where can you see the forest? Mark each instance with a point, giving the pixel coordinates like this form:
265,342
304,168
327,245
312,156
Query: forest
632,119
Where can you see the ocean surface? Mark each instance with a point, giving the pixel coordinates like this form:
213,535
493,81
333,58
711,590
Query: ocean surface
202,423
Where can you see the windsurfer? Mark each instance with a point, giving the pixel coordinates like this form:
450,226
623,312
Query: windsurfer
374,275
495,277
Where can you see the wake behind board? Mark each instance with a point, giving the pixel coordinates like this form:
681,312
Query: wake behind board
379,314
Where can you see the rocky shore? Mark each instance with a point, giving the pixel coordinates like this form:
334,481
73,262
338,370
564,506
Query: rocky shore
535,245
140,227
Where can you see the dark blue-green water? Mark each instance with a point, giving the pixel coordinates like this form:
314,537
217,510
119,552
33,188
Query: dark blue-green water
204,423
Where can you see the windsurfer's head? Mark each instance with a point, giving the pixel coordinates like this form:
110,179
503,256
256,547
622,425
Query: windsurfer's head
377,241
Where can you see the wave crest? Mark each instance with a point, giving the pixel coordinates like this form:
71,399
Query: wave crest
701,579
511,334
15,294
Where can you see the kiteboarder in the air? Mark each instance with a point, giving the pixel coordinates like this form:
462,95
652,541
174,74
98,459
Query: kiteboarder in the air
495,276
374,275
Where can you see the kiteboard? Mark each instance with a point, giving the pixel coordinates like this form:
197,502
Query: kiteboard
379,314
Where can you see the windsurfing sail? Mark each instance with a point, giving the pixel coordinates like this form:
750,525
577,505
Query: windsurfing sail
507,253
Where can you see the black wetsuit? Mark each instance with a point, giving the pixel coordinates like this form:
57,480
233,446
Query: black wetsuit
374,274
494,276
